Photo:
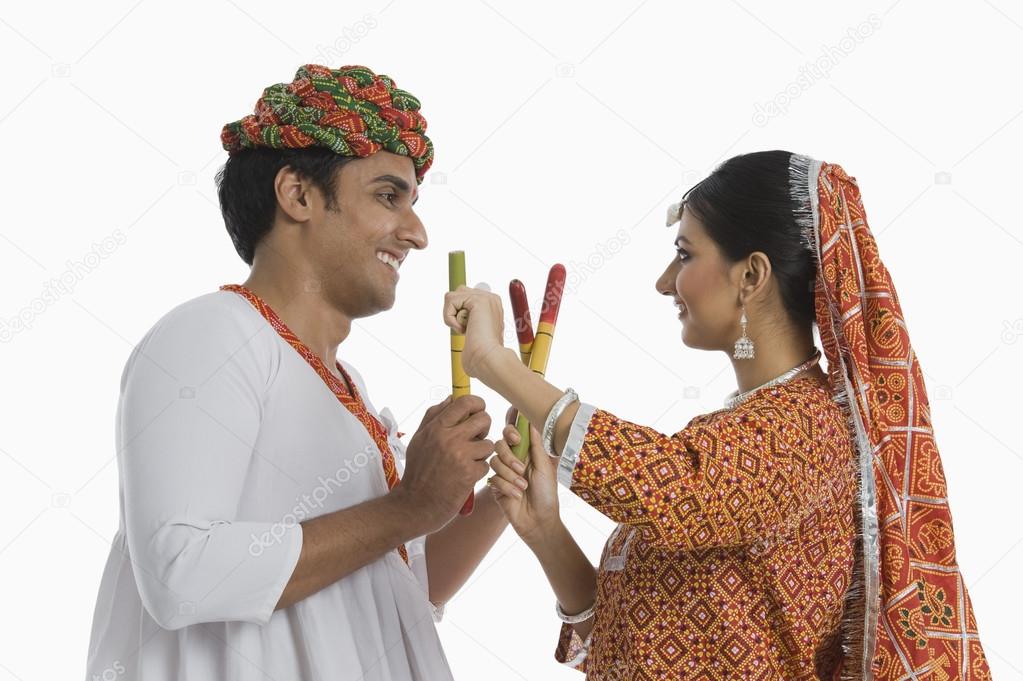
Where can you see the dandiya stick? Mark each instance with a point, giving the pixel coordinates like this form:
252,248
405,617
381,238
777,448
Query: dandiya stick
541,348
524,331
523,324
459,379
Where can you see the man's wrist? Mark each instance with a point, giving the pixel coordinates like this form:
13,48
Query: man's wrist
413,516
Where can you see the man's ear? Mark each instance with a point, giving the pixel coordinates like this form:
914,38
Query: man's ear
292,192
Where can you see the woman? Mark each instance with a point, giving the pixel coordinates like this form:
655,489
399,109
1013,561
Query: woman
802,531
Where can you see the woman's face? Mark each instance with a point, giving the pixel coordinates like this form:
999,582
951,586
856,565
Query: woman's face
700,280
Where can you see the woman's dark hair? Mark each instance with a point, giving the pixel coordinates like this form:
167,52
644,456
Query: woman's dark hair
746,205
245,186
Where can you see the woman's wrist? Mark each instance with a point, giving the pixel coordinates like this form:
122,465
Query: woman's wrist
498,365
547,537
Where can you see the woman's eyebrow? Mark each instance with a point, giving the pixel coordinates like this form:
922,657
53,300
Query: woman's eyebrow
682,238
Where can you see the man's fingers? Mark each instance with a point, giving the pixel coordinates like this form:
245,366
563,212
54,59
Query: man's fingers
460,407
482,449
432,412
474,427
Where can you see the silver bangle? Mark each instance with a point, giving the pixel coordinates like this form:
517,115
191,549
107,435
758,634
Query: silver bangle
574,619
553,416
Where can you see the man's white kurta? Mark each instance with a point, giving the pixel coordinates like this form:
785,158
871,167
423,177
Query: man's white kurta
226,440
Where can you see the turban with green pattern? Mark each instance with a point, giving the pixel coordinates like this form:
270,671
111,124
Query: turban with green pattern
351,111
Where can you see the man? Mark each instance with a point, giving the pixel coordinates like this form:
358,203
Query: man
263,532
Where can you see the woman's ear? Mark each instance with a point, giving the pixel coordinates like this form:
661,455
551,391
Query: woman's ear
754,272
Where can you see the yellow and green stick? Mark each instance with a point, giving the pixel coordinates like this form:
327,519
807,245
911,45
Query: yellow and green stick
459,379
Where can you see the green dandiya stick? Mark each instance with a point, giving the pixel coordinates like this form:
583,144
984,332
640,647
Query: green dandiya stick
541,348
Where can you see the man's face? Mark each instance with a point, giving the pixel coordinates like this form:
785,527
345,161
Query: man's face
358,245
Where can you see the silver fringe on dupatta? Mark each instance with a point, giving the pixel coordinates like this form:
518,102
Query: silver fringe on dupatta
862,602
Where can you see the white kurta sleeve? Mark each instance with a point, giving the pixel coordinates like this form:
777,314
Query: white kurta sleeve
191,405
416,547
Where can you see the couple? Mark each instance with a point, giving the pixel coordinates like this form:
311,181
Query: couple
267,531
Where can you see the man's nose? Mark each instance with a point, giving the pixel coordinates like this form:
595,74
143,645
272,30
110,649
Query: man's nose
414,231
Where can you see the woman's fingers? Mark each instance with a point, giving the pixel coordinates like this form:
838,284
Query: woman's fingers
536,444
511,434
459,304
454,309
508,459
504,487
500,465
538,456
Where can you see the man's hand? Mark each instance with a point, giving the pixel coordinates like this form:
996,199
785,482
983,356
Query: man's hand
445,458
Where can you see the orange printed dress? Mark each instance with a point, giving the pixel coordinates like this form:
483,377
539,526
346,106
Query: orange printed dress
735,543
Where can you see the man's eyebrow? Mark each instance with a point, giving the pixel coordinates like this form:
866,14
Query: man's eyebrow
401,184
395,180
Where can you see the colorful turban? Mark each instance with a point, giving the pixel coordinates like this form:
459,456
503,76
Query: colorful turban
351,111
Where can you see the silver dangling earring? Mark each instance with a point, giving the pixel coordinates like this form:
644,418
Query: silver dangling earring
743,346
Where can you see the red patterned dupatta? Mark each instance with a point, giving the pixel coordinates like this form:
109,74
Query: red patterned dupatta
352,401
908,615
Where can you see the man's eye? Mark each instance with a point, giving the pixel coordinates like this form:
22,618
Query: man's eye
389,197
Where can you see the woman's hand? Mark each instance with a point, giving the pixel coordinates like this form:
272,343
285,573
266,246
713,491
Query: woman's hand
479,315
528,497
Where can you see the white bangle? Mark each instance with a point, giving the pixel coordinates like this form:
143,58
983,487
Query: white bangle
553,416
574,619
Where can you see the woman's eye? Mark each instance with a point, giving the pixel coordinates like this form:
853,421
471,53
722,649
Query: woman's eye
682,255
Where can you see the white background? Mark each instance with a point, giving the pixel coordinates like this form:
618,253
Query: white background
562,130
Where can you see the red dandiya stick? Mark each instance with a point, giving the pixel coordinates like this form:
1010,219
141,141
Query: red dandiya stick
523,324
540,349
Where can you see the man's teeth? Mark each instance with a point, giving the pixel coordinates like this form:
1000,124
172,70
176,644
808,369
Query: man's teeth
389,259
